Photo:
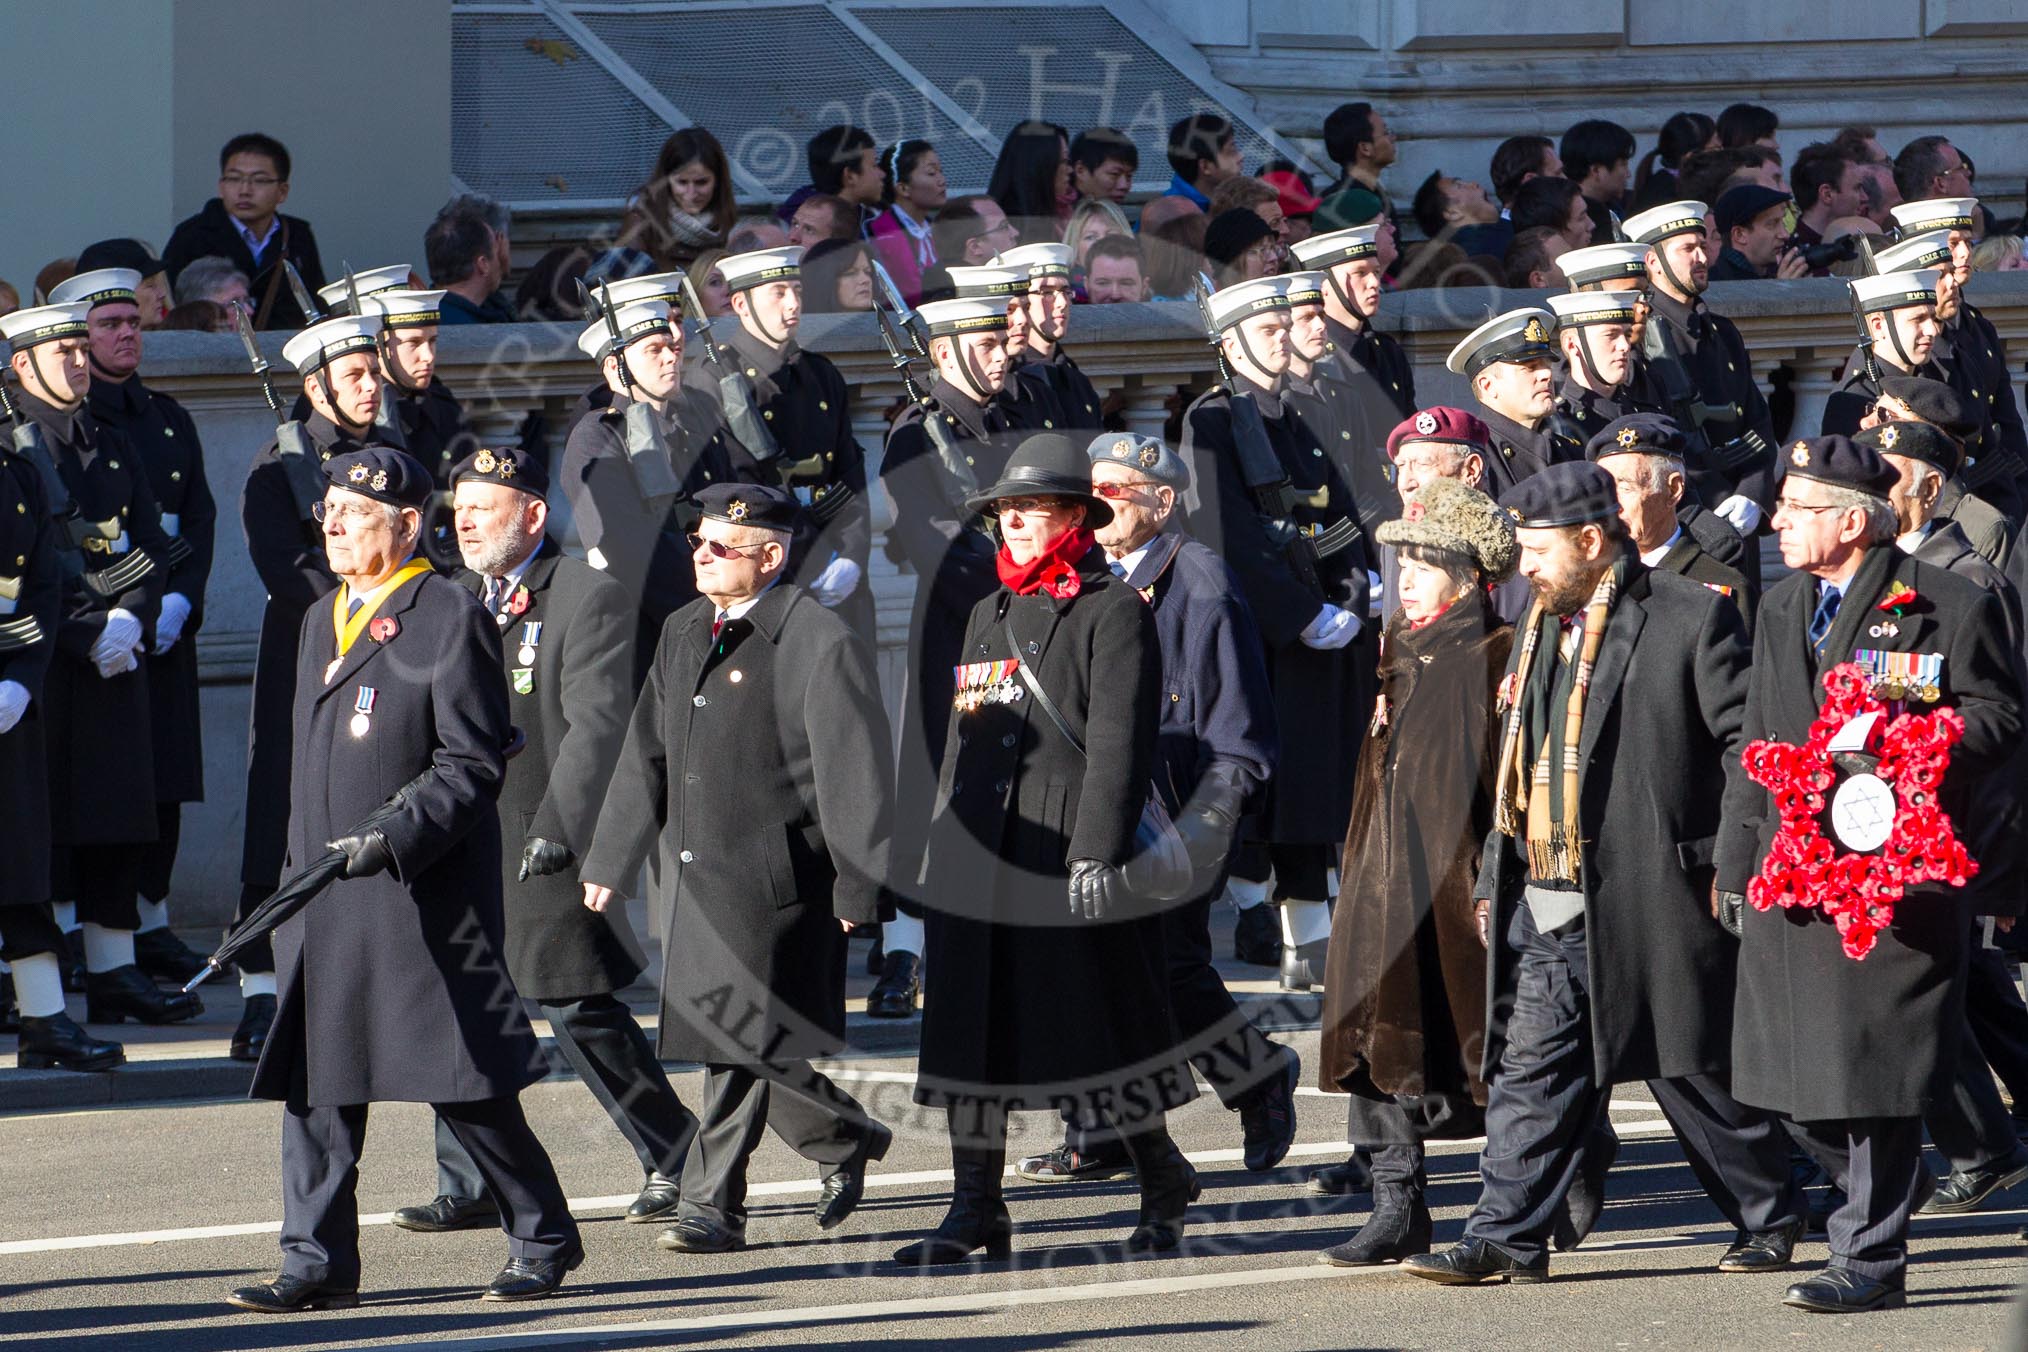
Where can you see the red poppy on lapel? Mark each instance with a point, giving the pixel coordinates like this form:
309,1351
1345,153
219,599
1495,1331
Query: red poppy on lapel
384,628
1896,602
519,605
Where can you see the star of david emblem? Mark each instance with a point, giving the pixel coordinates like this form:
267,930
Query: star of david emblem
735,510
1628,438
1888,436
1149,455
357,474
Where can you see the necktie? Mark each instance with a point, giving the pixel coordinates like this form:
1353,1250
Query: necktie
717,623
1119,569
352,606
1820,623
492,596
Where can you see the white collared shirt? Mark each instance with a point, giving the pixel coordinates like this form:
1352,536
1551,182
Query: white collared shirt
1912,541
1651,557
256,245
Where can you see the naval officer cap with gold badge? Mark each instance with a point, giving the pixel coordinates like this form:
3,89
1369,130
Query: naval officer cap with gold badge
1518,336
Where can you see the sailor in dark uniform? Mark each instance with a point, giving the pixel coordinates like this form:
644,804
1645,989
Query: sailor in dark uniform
1271,502
1899,309
1595,329
1048,320
951,550
1644,454
1027,400
341,379
1331,409
95,696
165,443
803,404
1509,363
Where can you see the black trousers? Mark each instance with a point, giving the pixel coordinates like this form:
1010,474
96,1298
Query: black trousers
1301,872
31,929
104,881
158,861
1544,1103
1970,1125
1999,1019
606,1047
1877,1161
813,1116
320,1180
1232,1055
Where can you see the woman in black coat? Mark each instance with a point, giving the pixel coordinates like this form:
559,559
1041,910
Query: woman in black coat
1049,985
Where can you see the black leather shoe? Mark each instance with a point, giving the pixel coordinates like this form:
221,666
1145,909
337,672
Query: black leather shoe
126,993
163,956
958,1237
1472,1261
450,1213
1268,1123
843,1189
1342,1180
1398,1228
1840,1290
286,1295
1065,1165
1257,937
899,987
658,1199
695,1234
532,1278
1766,1251
1968,1190
57,1043
252,1034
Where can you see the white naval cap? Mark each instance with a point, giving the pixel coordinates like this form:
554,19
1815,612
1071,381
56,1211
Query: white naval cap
1603,262
968,314
100,286
1894,290
621,292
1304,288
1594,307
991,280
1671,218
1338,246
1517,336
635,320
757,267
337,297
1041,260
403,309
1938,213
1929,249
330,339
45,324
1244,300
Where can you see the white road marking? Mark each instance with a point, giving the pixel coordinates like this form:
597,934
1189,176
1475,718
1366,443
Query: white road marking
781,1188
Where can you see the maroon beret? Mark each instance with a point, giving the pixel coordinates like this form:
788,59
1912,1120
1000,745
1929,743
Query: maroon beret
1453,425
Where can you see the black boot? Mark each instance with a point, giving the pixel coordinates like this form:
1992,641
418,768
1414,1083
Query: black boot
978,1216
57,1043
125,993
1168,1187
1398,1226
900,984
251,1036
162,955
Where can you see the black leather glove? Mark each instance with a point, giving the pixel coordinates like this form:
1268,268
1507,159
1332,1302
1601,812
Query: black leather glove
540,858
1732,913
1209,822
365,854
1095,889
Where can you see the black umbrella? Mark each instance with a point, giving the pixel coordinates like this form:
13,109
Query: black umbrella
296,893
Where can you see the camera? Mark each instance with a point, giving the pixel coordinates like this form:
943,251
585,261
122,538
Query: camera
1824,254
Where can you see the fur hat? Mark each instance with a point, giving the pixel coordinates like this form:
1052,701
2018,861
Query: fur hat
1451,515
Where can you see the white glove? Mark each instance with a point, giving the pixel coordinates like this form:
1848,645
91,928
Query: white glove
13,704
1743,512
117,643
838,581
1333,628
169,624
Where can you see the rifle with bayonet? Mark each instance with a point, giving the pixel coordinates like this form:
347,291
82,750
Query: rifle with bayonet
1692,414
305,302
302,466
900,325
643,439
1260,469
741,408
387,428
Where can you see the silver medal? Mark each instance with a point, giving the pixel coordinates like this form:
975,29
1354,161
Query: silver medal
526,657
360,723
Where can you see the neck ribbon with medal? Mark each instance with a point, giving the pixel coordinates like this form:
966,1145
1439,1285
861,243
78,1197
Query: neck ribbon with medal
348,629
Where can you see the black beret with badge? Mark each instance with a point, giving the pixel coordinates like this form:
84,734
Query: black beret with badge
1933,402
1638,434
1839,461
383,474
508,466
1914,441
767,506
1570,493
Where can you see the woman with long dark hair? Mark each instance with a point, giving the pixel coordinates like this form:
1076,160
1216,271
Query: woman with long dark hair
1682,135
914,194
838,277
683,209
1031,181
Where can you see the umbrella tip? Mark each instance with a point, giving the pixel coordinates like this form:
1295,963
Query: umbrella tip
211,969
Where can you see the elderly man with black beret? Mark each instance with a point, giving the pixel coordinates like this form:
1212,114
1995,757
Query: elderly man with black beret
1644,452
566,638
1920,399
393,986
1621,708
1854,1053
758,759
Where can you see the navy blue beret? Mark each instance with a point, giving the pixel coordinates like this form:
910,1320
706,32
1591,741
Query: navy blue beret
1916,441
510,466
1841,461
1638,434
765,505
383,474
1571,493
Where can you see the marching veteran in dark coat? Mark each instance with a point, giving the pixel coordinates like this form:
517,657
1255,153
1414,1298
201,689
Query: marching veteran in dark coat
566,636
392,986
1854,1053
758,755
1050,982
1215,749
1620,711
1405,981
1644,454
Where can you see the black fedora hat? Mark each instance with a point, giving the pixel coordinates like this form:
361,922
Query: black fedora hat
1047,465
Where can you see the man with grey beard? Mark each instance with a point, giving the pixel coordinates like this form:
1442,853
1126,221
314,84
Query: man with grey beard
566,642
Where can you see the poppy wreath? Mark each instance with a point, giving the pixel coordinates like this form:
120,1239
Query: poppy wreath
1807,867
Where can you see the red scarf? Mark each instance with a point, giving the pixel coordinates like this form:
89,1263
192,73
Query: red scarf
1054,570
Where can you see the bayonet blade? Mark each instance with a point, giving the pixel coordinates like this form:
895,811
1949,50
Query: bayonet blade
304,300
